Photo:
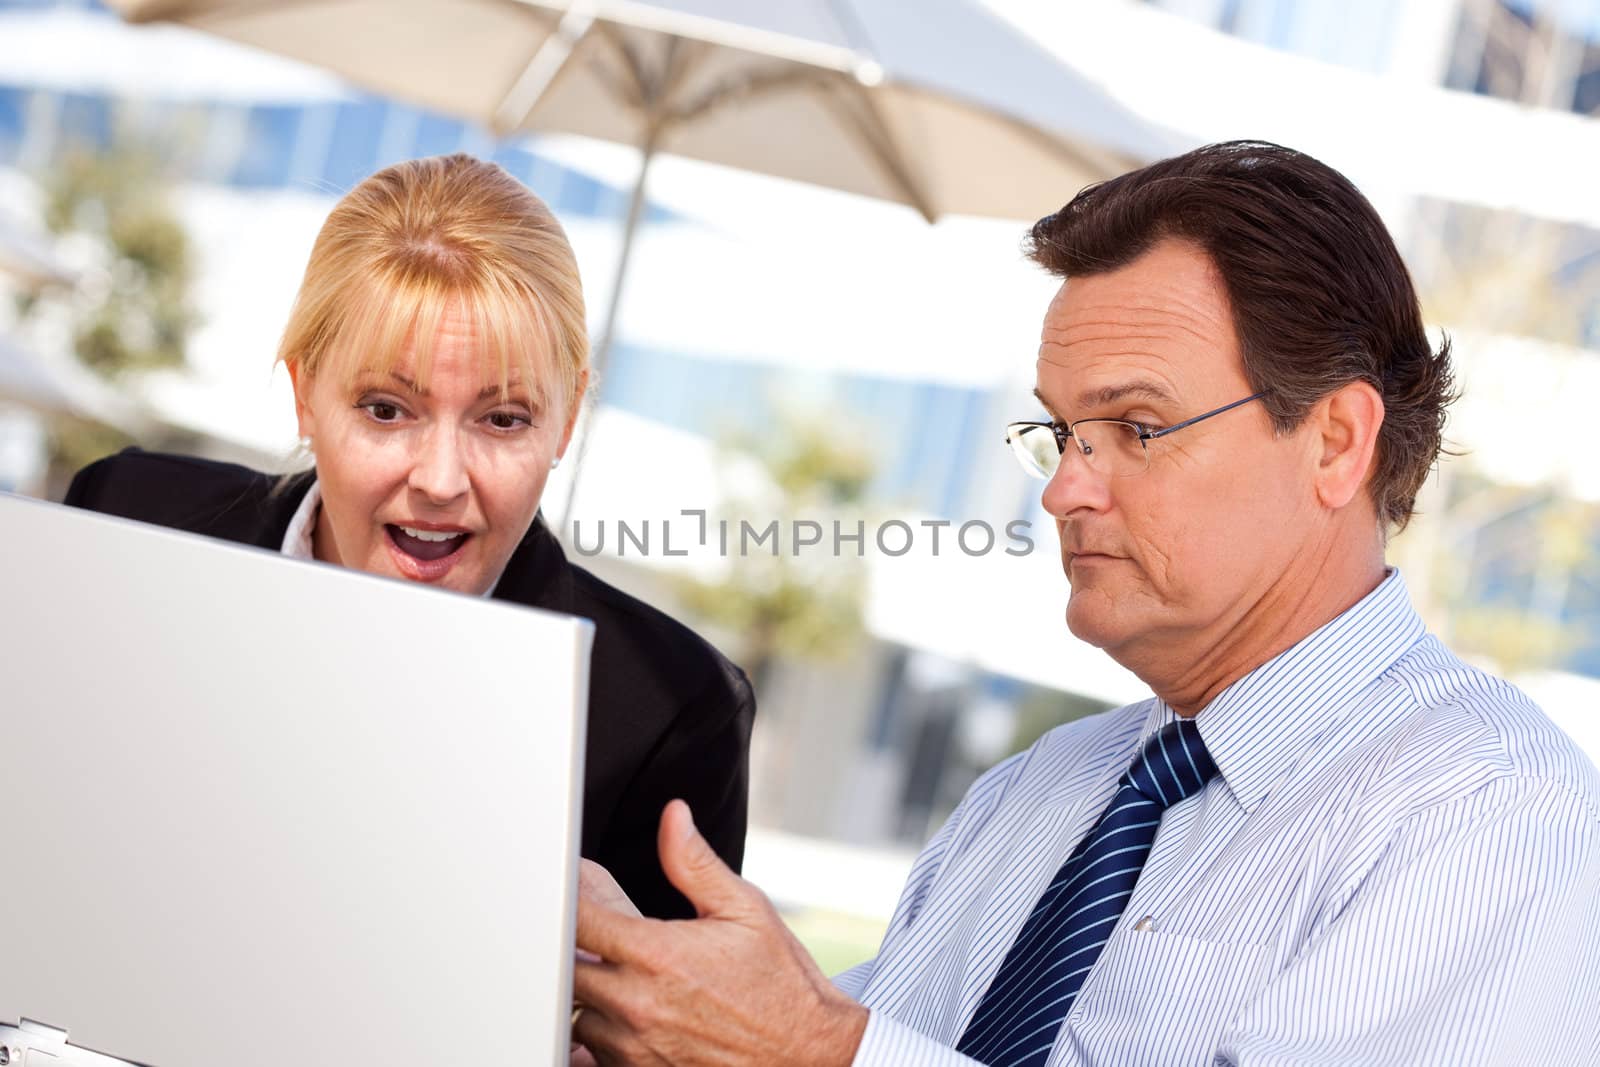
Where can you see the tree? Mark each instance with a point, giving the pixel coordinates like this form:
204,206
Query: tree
788,602
132,313
1492,568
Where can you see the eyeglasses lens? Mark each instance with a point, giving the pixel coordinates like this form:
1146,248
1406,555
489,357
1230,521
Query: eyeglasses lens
1112,448
1035,448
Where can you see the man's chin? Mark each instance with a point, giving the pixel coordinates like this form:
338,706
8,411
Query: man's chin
1094,621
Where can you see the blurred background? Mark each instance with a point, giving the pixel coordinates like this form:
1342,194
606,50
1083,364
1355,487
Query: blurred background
779,349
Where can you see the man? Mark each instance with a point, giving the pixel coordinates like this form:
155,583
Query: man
1326,840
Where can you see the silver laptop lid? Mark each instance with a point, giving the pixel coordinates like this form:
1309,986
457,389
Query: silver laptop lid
256,812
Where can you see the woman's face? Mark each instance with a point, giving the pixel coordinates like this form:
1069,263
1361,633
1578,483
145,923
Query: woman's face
434,485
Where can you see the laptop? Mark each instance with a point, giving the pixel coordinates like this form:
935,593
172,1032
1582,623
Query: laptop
256,811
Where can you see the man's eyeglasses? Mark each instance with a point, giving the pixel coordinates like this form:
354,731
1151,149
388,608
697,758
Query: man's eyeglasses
1113,447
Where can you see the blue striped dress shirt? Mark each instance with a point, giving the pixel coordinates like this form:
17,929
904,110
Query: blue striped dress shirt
1398,862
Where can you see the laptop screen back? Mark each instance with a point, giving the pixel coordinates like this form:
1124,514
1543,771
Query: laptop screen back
257,812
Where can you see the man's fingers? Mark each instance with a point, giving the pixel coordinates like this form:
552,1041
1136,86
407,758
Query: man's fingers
596,883
607,933
694,867
603,1041
602,1026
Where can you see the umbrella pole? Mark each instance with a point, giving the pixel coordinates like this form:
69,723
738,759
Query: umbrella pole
597,360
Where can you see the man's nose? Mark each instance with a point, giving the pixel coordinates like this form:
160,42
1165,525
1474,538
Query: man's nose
439,470
1075,484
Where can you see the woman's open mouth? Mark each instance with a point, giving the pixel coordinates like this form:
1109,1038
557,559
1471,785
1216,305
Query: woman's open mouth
425,555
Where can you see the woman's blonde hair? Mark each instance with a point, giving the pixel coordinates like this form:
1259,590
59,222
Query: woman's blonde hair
426,235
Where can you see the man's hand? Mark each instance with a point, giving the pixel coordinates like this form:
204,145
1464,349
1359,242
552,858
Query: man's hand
729,988
596,885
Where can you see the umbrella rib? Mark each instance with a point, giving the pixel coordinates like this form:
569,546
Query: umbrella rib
633,92
650,89
868,125
682,55
185,10
1099,163
752,84
1103,164
549,60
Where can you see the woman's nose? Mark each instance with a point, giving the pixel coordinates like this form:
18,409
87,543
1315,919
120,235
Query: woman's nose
439,470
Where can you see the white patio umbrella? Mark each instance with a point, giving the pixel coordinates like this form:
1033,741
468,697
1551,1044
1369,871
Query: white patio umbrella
935,104
168,64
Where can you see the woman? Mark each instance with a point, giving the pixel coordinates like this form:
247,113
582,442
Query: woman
439,357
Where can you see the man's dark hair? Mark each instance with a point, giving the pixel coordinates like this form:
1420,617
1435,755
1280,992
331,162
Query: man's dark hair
1319,294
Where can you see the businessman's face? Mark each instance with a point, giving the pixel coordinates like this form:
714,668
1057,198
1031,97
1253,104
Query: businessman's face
1164,563
433,479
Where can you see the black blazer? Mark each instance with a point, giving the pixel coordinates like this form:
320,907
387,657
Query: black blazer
668,715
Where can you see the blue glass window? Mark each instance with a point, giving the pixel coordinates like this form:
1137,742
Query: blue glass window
1586,94
268,150
13,113
936,430
516,160
436,135
353,149
85,120
576,194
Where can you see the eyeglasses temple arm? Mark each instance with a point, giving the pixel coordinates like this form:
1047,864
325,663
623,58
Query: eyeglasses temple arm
1200,418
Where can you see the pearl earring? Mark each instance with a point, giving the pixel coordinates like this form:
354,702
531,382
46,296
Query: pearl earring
555,462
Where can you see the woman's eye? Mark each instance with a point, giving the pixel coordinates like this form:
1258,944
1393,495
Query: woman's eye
506,420
382,411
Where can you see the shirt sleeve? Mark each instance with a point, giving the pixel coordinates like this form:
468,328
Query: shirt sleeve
1474,937
887,1043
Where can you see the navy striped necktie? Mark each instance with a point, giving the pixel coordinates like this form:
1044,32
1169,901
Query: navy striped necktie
1017,1020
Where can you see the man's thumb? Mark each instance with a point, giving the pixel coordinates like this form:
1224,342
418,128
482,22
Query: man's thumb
693,866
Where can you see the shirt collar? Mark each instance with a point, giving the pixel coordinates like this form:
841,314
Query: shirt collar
1259,726
297,538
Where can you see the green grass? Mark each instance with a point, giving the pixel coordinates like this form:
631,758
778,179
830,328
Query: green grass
837,942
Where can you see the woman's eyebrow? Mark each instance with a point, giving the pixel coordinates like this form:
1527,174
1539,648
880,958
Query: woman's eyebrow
485,393
409,384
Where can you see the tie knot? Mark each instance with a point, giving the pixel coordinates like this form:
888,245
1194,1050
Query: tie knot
1173,765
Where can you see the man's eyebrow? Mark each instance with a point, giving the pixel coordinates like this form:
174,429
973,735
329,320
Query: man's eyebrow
1110,394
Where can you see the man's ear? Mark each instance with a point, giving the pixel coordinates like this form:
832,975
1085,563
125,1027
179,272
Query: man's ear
578,392
1346,423
302,402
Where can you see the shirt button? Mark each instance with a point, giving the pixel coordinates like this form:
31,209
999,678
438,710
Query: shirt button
1146,924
